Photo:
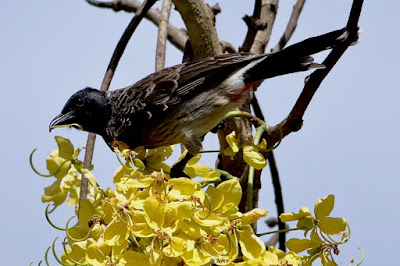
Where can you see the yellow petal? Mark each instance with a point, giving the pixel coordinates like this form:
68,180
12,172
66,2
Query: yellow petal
116,232
77,252
210,220
271,258
229,152
202,171
97,253
54,163
135,258
314,237
160,154
306,223
291,216
155,213
176,212
251,246
86,211
298,245
138,163
65,148
182,188
232,192
252,216
262,144
215,198
196,257
54,194
324,206
253,158
177,246
232,141
332,226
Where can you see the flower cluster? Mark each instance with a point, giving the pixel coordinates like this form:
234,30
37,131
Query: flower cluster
321,227
152,219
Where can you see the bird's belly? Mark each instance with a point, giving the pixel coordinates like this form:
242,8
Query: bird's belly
194,118
205,115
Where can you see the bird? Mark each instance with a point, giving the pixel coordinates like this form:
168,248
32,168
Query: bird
180,104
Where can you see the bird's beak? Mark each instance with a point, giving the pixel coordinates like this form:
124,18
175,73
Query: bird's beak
64,120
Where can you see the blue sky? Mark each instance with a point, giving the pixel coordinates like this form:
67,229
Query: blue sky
348,145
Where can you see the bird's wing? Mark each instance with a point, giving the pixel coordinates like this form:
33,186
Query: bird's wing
168,86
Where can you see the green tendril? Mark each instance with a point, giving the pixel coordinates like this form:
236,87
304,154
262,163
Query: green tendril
40,263
123,164
209,209
205,183
238,113
225,175
43,175
53,209
277,144
53,248
46,256
47,212
64,243
344,240
137,243
69,235
362,257
230,243
119,216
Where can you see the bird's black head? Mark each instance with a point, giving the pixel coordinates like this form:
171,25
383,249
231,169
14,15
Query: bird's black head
87,110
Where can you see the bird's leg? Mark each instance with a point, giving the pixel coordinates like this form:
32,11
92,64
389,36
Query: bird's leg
177,169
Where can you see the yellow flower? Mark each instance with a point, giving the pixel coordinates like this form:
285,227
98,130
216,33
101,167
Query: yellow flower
192,169
328,225
147,161
233,145
318,246
63,164
253,158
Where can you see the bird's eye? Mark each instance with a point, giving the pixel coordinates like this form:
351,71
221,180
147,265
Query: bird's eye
79,102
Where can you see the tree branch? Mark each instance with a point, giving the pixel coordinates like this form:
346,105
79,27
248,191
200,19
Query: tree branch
119,50
260,26
162,34
293,121
291,26
198,19
176,36
269,9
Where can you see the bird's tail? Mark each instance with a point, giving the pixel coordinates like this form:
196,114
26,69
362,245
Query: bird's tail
295,58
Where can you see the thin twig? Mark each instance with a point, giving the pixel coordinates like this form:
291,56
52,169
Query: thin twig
119,50
162,34
176,36
291,26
